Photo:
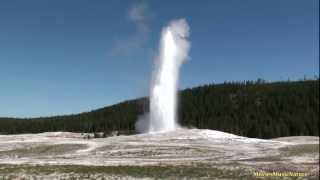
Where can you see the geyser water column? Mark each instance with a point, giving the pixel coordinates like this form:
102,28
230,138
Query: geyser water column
174,48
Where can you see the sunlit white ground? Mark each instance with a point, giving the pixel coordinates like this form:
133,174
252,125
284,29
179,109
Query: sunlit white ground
172,147
181,147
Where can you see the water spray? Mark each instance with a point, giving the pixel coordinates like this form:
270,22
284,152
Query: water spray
174,48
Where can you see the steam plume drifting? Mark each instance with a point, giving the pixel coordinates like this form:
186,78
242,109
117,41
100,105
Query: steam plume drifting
174,48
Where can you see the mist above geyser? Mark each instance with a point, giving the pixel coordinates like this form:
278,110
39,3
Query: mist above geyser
173,51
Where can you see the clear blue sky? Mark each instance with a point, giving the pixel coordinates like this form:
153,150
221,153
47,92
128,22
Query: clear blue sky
61,57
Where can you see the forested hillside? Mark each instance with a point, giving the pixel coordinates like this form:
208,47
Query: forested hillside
253,109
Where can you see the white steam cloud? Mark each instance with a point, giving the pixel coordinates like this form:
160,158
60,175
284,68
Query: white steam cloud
174,48
139,15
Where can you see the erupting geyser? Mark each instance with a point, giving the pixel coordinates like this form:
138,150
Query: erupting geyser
174,47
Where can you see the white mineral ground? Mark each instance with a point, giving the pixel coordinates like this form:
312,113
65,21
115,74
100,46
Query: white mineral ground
176,147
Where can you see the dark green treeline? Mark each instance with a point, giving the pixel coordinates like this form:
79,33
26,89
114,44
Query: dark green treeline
252,109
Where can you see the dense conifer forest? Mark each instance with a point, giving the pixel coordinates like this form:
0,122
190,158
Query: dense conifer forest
251,108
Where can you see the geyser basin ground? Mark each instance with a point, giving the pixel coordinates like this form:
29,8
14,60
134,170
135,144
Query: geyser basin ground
205,153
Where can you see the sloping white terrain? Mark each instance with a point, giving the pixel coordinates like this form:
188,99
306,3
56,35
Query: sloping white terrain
181,147
175,146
